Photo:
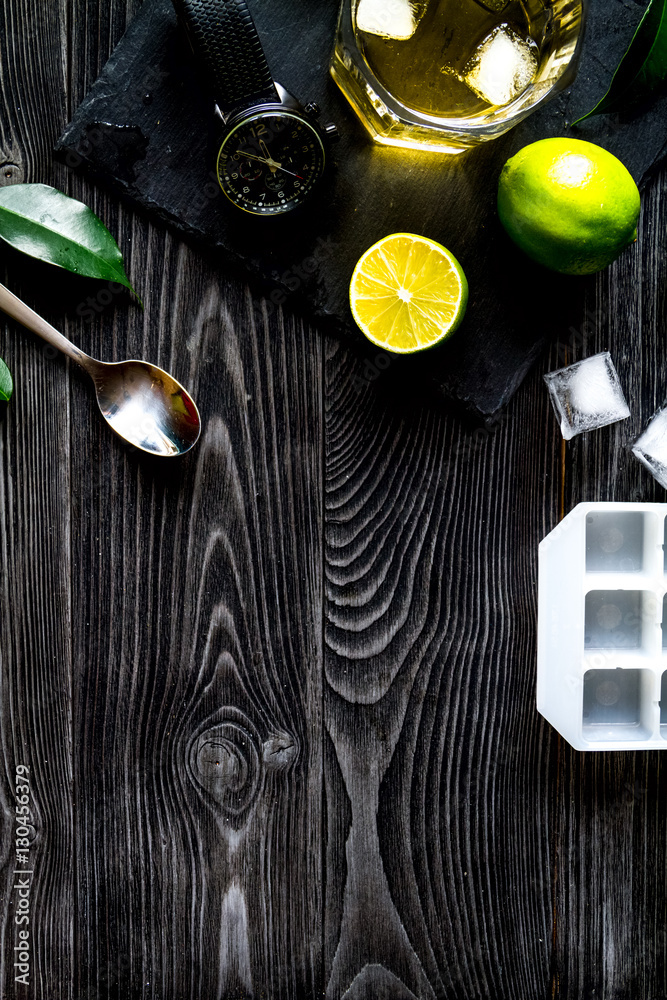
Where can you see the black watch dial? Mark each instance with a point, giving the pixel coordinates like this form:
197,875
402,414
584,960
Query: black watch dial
270,162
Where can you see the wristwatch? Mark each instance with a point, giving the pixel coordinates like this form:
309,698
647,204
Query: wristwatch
273,152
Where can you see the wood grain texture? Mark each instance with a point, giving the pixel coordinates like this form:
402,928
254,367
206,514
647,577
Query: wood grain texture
610,835
279,697
35,609
191,624
437,755
198,711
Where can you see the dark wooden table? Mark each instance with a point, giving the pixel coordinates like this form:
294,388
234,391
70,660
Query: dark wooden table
278,700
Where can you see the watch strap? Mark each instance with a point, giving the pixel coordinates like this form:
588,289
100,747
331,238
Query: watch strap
223,35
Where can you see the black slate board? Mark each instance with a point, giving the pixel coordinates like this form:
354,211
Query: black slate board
146,127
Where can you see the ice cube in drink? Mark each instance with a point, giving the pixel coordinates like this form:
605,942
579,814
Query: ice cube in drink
502,67
453,58
397,19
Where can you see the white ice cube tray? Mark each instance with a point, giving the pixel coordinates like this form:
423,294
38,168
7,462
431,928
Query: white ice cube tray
602,627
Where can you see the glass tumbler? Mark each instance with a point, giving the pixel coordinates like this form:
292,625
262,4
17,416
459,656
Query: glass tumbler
449,74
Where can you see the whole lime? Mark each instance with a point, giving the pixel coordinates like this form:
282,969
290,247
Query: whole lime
568,204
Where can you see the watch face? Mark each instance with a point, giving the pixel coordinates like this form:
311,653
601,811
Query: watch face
270,162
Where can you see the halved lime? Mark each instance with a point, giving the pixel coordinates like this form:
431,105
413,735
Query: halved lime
408,293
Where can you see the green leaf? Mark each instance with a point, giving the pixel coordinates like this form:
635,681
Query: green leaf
44,223
6,382
643,68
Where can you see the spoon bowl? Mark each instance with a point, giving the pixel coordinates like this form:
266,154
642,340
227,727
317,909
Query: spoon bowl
143,404
147,407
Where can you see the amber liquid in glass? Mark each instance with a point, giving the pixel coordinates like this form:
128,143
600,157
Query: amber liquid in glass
465,58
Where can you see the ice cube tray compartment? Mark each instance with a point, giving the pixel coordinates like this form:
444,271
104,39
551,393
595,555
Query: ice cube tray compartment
602,627
613,703
620,620
614,542
613,619
663,706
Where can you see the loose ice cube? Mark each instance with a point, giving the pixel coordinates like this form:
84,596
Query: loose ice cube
502,67
390,18
587,395
651,446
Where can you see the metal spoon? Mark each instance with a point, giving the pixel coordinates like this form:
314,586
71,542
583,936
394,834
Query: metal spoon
143,404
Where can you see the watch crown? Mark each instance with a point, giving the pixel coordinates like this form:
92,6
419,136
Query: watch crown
331,132
313,109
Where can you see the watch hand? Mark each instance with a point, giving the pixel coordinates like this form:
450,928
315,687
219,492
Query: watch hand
290,172
271,163
273,166
251,156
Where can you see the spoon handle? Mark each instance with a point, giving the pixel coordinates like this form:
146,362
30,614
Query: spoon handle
18,310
